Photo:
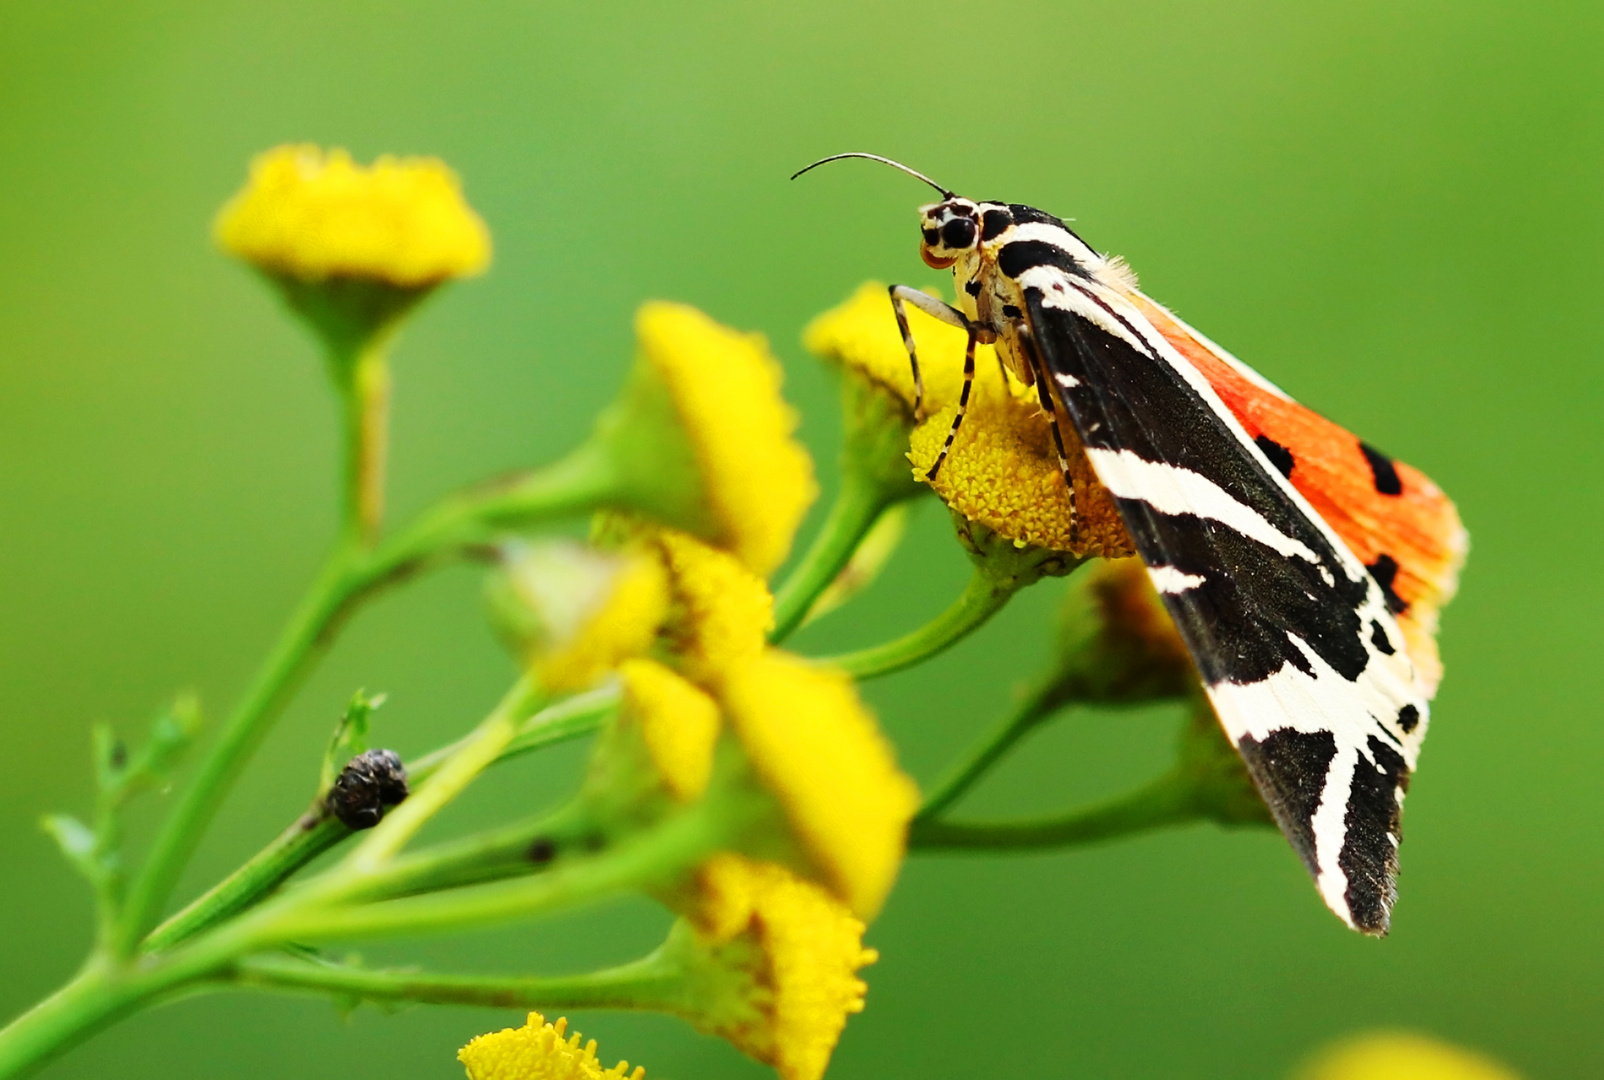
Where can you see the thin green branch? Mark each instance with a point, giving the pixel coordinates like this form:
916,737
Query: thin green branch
643,984
856,508
983,597
1169,800
963,774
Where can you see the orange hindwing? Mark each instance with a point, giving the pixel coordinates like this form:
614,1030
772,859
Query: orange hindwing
1390,515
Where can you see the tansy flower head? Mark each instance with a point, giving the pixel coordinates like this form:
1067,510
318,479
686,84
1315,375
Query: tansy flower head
774,964
1003,472
676,725
1400,1056
313,216
816,748
1116,642
862,336
538,1051
578,613
721,612
702,438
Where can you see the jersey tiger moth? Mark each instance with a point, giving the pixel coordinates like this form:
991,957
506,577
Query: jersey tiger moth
1303,569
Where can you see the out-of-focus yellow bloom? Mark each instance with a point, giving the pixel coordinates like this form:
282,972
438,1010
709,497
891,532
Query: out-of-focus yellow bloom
312,216
799,950
862,336
816,748
721,611
538,1051
1003,473
678,725
579,613
725,391
1401,1056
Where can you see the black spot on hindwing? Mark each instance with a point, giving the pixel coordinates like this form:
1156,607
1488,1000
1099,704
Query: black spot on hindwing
1382,470
1279,455
1290,770
1369,855
1385,571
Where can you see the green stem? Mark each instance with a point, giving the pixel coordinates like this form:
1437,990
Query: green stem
646,983
983,597
655,856
1169,800
316,831
306,636
978,760
364,384
857,506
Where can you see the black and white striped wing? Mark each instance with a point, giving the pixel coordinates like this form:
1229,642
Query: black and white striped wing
1302,660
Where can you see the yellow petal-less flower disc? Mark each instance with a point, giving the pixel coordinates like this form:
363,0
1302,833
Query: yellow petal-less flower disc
725,387
862,336
1003,473
809,950
721,613
538,1051
818,750
1401,1056
312,215
678,725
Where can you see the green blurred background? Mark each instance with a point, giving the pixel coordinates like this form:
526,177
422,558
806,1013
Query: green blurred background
1392,209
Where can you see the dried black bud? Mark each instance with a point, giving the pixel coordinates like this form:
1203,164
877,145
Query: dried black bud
369,784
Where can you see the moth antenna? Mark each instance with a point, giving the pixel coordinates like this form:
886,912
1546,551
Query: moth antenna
915,173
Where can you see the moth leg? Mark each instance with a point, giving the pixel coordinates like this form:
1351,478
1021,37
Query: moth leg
963,400
1050,407
936,309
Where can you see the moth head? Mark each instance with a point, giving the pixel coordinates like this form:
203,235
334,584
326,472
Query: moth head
950,230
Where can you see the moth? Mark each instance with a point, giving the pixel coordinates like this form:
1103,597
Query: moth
1303,568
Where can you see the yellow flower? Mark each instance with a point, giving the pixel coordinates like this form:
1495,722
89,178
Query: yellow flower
862,336
309,215
678,725
725,387
1003,473
816,748
721,612
797,951
1400,1056
579,613
538,1051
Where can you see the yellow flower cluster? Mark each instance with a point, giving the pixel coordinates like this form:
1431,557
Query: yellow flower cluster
312,215
724,386
806,953
1002,471
538,1051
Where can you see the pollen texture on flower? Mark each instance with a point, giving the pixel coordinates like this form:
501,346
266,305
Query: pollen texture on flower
538,1051
804,969
818,750
1003,472
678,724
725,387
721,612
313,215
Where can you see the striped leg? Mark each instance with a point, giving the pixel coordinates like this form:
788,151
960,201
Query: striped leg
1049,406
906,294
963,401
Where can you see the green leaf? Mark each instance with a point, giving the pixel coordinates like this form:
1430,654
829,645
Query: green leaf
350,736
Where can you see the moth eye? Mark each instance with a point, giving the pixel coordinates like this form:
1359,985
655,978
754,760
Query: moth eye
958,233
